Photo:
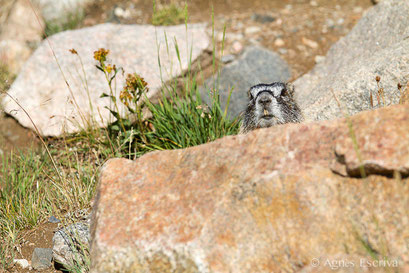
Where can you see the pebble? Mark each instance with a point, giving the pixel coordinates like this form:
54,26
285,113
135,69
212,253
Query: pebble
53,219
262,18
227,58
319,59
120,12
313,3
309,43
41,258
23,263
330,23
252,30
282,51
237,47
279,42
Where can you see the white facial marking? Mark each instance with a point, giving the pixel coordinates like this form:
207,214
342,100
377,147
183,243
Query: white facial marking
276,90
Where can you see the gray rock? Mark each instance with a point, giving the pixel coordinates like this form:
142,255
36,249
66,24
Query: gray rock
263,18
377,46
70,243
255,65
227,58
61,10
53,219
43,92
41,258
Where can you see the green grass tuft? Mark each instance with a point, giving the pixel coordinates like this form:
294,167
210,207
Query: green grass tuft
73,20
167,15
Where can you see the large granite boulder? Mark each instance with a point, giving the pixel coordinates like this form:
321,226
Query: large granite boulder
255,65
280,199
57,106
20,32
377,46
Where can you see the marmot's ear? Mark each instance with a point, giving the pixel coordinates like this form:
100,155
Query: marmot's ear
290,89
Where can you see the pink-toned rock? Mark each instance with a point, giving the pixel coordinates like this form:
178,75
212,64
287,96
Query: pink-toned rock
267,201
21,32
58,96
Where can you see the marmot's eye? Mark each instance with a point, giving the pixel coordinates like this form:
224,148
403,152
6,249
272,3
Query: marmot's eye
284,92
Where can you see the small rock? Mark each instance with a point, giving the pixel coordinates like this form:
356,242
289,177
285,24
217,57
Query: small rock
279,42
313,3
252,30
319,59
227,58
262,18
23,263
237,47
340,21
282,51
120,12
41,258
309,43
68,243
53,219
20,33
330,23
358,9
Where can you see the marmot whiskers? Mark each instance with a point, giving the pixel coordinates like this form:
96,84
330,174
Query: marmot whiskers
269,105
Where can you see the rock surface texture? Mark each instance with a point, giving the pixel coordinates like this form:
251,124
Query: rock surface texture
56,108
255,65
377,46
20,33
41,258
269,201
60,11
69,243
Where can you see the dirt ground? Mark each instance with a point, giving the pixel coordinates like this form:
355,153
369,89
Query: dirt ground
300,31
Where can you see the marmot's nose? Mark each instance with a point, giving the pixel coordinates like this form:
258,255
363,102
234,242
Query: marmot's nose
265,100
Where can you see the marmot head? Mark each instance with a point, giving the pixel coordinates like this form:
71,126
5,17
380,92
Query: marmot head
269,105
